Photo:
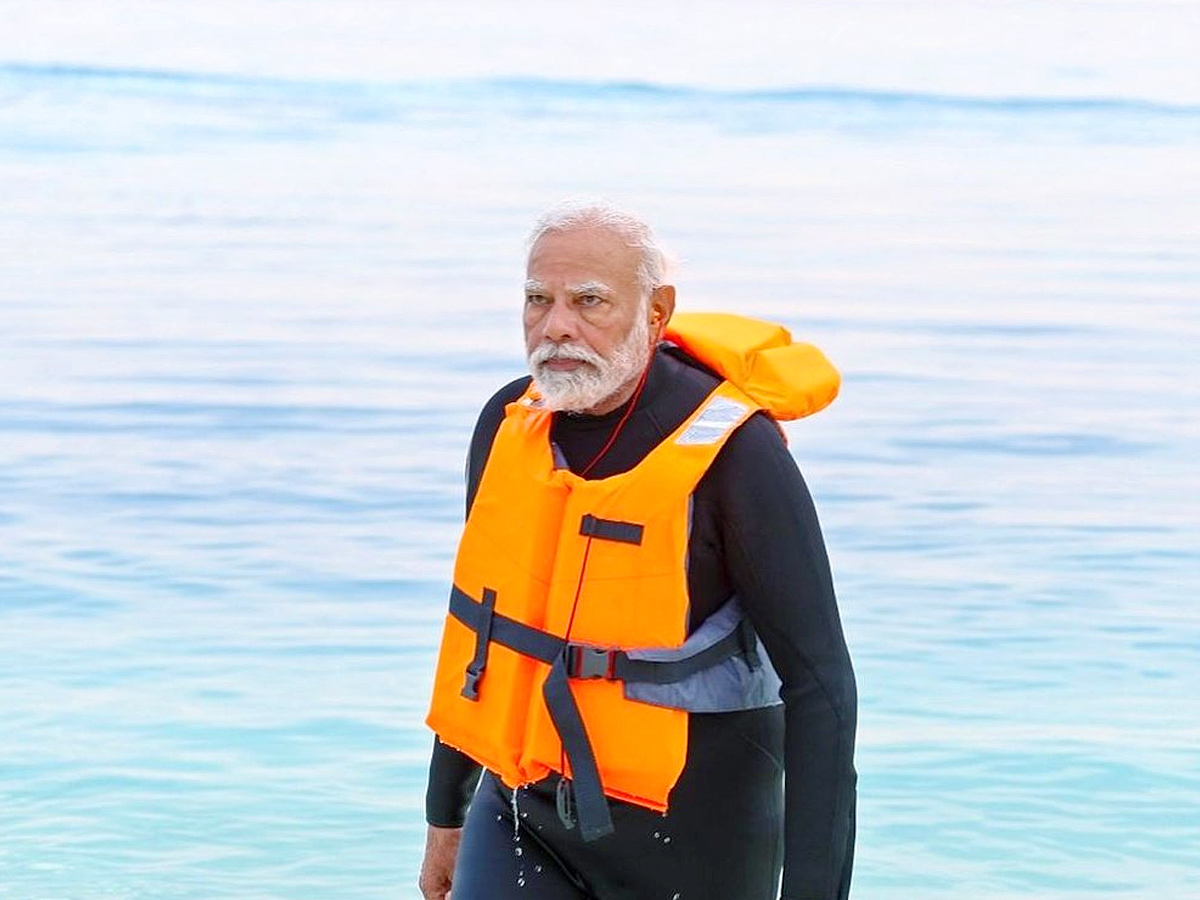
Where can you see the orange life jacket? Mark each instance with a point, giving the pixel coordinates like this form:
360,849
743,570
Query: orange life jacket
566,647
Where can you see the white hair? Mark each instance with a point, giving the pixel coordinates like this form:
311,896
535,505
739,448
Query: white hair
654,262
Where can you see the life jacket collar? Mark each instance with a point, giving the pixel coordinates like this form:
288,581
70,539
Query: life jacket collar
790,380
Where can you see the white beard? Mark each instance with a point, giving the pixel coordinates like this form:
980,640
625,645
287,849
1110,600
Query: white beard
598,379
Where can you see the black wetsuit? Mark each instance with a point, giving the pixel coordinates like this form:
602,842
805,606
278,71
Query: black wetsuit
755,534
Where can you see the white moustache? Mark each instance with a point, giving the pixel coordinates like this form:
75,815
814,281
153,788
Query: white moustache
548,350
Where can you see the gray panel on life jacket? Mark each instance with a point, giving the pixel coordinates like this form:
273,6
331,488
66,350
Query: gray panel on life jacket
717,419
728,686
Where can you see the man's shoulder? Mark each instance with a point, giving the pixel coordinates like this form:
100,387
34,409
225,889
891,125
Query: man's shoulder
492,415
755,456
694,382
683,368
506,395
685,383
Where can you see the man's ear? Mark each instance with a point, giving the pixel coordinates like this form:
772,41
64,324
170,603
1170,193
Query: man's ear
662,305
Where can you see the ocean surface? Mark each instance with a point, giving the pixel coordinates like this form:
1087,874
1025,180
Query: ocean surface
260,265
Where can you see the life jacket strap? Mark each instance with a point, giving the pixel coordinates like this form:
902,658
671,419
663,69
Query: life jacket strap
483,637
595,821
585,661
501,629
568,660
611,530
741,641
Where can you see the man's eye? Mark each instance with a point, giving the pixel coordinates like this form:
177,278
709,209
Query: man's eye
535,300
590,300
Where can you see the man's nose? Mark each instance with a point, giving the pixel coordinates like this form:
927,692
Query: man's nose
561,322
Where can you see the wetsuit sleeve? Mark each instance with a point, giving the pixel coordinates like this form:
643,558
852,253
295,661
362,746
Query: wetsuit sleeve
776,560
453,776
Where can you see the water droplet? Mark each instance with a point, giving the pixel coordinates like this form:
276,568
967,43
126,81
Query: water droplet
499,818
656,834
537,868
676,896
667,840
519,851
520,882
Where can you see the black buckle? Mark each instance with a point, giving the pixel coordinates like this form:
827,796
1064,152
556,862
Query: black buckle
483,635
470,688
564,802
586,661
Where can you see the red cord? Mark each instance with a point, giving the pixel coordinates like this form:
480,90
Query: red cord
587,549
612,438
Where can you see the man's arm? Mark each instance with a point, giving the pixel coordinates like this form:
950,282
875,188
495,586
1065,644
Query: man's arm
777,562
453,776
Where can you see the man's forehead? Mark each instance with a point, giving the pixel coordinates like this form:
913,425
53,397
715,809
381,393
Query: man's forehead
585,249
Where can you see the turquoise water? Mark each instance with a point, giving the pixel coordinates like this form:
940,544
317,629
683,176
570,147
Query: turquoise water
247,318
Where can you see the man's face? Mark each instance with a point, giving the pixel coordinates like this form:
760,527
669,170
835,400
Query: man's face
586,326
582,287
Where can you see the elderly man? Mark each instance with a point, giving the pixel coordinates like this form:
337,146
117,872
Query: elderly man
643,636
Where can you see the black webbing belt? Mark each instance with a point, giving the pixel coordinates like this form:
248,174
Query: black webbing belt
572,660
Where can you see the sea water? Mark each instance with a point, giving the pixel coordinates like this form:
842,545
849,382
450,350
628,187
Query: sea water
260,265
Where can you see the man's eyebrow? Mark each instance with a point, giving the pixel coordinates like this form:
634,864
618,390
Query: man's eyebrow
591,287
533,286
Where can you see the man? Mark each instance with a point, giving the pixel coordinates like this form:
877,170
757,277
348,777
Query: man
643,634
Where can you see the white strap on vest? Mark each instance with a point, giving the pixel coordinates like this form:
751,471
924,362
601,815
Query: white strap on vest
720,416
